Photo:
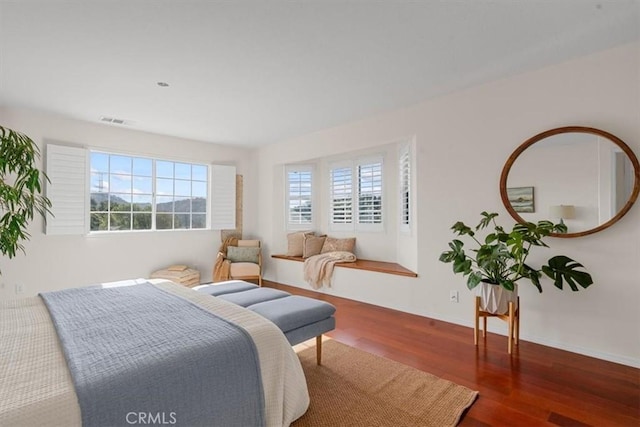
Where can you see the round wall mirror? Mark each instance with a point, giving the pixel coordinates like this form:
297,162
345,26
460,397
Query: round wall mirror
584,177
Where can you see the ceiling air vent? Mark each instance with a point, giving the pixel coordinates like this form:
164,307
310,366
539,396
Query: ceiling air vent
116,121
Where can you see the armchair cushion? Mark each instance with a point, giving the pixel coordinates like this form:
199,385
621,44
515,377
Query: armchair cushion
243,254
244,269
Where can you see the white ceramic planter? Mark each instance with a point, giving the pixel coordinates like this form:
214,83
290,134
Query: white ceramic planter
495,299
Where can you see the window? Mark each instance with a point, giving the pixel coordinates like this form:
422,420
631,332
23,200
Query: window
404,167
137,193
299,191
370,193
356,187
181,195
341,195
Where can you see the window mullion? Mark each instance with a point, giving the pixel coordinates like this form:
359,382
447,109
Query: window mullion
109,194
154,194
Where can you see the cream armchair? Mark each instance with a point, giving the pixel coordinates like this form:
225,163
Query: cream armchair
245,260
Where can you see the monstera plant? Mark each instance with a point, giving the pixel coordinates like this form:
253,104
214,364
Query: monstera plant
500,257
20,189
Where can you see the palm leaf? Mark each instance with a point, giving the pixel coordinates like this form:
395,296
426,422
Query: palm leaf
562,269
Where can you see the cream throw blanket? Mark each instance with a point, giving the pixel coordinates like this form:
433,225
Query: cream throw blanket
318,269
222,266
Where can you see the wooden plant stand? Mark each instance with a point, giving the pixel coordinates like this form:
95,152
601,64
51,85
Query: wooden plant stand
512,317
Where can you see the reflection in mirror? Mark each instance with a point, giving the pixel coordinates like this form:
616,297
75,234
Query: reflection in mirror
583,177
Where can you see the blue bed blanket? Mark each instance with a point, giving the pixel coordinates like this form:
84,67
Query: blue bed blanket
138,353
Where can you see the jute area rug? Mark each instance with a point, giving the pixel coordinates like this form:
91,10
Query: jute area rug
355,388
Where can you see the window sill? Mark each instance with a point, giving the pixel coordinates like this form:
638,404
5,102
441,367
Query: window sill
364,264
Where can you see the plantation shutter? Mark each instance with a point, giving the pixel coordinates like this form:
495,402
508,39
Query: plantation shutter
341,195
223,197
299,196
67,171
405,187
370,192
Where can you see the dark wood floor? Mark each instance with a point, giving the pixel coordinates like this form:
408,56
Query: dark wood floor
536,386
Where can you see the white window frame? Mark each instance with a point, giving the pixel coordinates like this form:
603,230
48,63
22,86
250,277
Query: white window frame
405,188
70,191
355,224
341,226
306,168
154,193
369,226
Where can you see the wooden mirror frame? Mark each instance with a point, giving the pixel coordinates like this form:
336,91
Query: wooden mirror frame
567,129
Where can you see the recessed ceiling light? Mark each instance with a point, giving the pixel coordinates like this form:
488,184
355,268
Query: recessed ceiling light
163,84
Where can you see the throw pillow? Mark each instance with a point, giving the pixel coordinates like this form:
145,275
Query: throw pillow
312,245
295,242
243,254
332,244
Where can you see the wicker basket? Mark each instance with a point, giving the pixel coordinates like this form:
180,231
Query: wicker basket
179,274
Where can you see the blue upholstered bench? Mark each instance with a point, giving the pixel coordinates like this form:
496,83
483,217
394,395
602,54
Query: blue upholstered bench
299,318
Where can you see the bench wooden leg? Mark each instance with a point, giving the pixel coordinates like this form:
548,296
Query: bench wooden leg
319,349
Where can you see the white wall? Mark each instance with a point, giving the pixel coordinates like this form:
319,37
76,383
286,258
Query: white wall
55,262
462,141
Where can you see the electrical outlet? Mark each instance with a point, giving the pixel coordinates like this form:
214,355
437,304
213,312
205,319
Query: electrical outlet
453,296
19,289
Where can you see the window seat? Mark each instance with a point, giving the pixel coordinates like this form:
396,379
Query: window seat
363,264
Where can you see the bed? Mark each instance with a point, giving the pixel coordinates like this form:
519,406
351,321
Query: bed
37,388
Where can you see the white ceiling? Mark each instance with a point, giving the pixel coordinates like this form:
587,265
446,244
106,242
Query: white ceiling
256,72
